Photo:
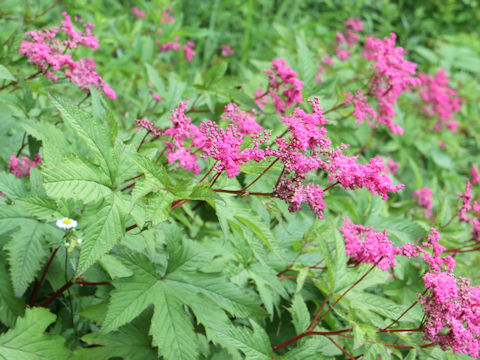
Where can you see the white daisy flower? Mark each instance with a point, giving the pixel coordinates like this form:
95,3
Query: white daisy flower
66,223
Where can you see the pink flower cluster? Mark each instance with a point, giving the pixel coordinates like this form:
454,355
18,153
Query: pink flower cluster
424,198
283,81
294,194
188,47
440,100
139,14
227,50
365,245
474,175
181,130
224,146
22,168
245,121
148,125
46,51
452,307
166,17
363,111
373,175
347,38
392,75
188,50
308,148
470,213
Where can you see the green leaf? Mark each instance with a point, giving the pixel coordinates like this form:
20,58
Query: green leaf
5,74
76,178
129,342
94,132
10,306
26,249
171,328
27,341
25,254
41,207
400,227
183,283
307,66
103,230
254,344
12,186
114,267
215,73
300,314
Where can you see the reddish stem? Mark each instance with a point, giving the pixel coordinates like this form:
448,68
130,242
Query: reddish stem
240,192
92,283
44,273
131,227
16,82
341,348
346,292
334,108
310,326
133,178
331,186
52,297
308,333
259,176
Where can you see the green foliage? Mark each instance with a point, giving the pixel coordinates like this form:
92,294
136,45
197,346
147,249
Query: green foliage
27,339
166,264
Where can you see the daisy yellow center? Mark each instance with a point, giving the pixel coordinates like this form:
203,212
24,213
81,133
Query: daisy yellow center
67,221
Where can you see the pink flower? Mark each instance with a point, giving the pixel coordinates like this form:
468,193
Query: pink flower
156,97
166,17
439,99
350,175
22,168
260,98
474,217
283,77
224,146
138,13
181,130
170,46
347,38
474,175
392,165
48,52
366,245
294,194
227,50
245,121
424,199
82,73
188,50
392,75
150,126
363,111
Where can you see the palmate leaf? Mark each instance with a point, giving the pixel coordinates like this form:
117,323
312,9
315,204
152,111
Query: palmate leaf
131,342
27,341
26,248
95,133
77,178
183,284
